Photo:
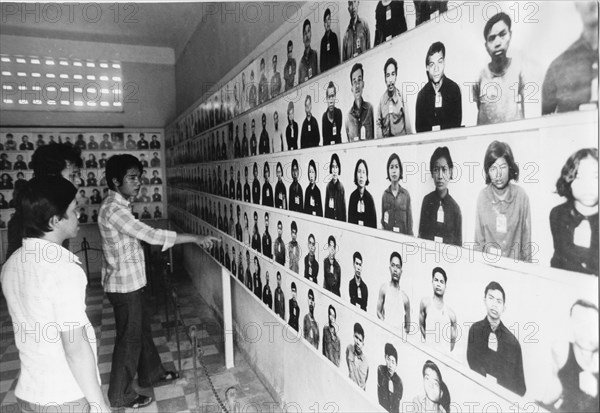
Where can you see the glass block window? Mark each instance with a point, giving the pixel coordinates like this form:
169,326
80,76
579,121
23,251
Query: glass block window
60,84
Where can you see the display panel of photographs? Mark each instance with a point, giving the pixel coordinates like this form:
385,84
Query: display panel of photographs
17,147
464,58
545,149
463,303
540,154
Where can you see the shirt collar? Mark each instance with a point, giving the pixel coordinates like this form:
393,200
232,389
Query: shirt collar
29,245
394,98
118,198
354,26
510,194
356,111
444,200
489,326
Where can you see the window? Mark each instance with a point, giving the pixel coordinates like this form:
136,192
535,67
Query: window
60,84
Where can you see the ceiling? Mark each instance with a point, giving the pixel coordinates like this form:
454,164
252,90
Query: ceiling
148,24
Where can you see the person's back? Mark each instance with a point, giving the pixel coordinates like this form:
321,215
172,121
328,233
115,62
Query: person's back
36,292
45,290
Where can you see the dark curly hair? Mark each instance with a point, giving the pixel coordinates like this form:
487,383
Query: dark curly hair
569,171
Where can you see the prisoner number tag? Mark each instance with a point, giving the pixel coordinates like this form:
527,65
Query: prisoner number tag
582,234
493,342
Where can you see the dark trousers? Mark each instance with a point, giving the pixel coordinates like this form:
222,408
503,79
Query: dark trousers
134,349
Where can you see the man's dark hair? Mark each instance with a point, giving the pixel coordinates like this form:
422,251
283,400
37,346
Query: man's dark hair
390,350
355,256
327,13
306,23
396,254
495,19
331,307
495,286
294,226
42,198
357,66
332,238
52,159
359,329
439,270
117,167
433,49
390,61
441,152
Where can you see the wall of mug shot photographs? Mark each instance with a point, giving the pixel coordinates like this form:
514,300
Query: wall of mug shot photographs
197,165
97,146
468,271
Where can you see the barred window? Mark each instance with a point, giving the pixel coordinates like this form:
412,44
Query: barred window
64,84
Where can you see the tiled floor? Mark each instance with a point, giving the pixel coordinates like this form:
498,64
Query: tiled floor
175,397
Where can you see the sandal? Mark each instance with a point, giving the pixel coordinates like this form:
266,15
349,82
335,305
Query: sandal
169,376
140,401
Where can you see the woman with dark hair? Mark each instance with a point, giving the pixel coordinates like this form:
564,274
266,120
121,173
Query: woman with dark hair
361,207
574,224
6,181
335,196
257,281
280,191
255,185
503,217
91,162
3,203
573,384
441,219
312,196
395,201
437,396
267,189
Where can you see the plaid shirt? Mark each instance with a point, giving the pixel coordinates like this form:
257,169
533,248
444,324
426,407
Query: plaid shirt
123,264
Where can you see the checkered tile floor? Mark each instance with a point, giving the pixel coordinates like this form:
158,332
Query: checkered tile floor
174,397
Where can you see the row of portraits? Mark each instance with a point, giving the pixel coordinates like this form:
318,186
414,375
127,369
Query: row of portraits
18,161
506,88
491,348
18,141
146,211
502,212
14,179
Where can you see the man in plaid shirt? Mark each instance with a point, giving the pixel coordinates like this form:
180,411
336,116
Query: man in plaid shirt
124,281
